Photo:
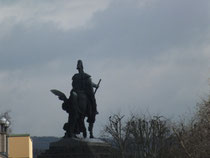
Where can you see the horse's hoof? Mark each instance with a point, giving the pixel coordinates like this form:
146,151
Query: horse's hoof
72,136
85,135
91,136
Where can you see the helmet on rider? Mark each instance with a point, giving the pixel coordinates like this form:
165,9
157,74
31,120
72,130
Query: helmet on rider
79,65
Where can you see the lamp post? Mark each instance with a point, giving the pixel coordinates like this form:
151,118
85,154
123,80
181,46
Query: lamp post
4,125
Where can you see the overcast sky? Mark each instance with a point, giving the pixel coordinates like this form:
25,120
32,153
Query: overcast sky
152,55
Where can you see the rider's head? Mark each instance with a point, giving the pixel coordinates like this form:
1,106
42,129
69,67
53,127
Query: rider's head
79,66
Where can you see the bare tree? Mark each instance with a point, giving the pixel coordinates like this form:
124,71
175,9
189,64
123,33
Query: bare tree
119,132
139,136
194,137
151,136
156,137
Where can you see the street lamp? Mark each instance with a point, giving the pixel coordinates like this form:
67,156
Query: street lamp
7,123
4,123
3,120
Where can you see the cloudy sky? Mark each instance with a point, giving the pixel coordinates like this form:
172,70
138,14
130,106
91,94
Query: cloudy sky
152,55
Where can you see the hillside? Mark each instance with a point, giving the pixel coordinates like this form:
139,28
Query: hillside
40,144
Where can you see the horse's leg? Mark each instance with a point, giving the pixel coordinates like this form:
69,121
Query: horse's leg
83,108
71,132
91,118
83,127
90,129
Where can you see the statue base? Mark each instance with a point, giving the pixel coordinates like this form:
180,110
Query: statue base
79,148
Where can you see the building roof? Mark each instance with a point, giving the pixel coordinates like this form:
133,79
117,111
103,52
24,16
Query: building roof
19,135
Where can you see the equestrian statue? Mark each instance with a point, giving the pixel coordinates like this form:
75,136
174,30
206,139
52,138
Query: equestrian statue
80,104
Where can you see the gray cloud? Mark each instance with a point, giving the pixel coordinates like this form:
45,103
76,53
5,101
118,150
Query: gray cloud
149,55
65,14
126,30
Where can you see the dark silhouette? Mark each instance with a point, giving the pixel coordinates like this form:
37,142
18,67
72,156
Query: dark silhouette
80,104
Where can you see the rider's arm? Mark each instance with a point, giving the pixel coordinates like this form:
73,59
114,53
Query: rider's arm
93,84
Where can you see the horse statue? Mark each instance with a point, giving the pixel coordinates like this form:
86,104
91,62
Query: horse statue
80,104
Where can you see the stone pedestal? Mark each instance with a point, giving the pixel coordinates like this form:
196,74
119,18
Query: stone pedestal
78,148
